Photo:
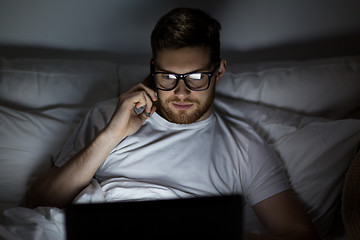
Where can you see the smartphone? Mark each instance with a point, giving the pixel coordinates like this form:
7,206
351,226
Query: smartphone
139,110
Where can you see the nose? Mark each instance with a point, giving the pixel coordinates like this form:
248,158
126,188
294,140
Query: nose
182,90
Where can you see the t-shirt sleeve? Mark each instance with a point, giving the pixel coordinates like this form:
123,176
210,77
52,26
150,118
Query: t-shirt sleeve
267,176
94,122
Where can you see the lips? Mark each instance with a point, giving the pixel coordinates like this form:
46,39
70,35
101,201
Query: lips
182,106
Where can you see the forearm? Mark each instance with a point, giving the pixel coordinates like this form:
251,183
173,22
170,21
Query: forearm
60,186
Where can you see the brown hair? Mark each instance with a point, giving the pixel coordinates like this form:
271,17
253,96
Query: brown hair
187,27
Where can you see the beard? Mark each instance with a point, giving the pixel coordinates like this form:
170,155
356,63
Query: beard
197,111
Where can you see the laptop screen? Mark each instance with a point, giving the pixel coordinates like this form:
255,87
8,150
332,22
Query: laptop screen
192,218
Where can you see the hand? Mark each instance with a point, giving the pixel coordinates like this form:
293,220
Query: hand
125,121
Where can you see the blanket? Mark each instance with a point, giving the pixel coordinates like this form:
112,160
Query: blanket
48,223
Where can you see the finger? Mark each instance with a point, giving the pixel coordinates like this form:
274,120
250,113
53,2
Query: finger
147,114
135,99
152,94
149,96
153,109
149,103
150,113
142,103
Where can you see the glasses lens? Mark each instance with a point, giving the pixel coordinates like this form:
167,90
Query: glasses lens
197,81
194,81
165,80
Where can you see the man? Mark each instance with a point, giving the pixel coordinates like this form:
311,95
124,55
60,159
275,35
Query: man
178,146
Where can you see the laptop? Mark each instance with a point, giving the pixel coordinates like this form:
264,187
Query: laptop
217,217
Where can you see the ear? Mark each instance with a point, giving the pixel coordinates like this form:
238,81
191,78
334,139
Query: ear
221,70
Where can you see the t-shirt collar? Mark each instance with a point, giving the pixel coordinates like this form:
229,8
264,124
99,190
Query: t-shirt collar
157,118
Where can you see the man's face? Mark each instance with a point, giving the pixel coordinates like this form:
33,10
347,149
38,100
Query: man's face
183,105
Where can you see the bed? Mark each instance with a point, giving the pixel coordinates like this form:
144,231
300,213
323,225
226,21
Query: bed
307,110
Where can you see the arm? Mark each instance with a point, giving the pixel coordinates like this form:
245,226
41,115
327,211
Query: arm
284,217
61,185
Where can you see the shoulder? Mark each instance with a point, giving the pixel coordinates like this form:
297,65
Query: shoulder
238,129
249,143
106,107
97,117
94,121
102,112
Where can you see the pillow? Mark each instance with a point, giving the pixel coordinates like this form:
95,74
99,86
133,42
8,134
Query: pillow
328,88
131,74
314,151
43,83
41,101
28,140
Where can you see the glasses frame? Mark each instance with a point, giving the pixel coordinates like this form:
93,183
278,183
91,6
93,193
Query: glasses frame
181,77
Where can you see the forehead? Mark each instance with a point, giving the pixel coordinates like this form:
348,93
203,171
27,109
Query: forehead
183,60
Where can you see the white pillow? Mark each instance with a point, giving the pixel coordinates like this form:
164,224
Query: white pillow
315,152
41,102
28,140
131,74
42,83
328,88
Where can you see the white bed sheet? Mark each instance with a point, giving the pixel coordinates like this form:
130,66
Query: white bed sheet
40,223
49,223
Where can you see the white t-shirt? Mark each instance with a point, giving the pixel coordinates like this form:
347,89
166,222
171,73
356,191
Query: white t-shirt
217,156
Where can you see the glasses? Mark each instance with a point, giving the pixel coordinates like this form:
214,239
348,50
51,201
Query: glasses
195,81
